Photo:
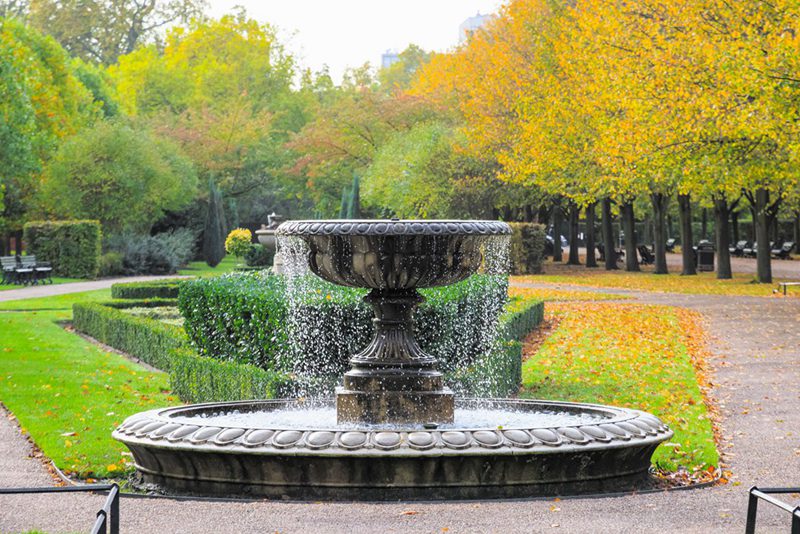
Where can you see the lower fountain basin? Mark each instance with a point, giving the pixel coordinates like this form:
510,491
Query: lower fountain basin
291,449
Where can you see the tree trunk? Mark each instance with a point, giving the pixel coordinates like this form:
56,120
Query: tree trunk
764,262
591,258
704,225
574,215
18,242
797,230
557,253
687,253
660,205
608,236
722,233
735,224
543,215
629,224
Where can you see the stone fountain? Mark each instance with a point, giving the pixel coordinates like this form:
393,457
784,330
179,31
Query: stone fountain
394,431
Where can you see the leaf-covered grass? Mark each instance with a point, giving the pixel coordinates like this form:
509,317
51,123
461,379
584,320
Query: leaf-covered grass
559,295
56,280
202,270
67,393
703,283
637,356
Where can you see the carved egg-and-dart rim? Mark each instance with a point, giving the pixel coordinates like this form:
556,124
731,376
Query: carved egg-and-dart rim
625,426
378,227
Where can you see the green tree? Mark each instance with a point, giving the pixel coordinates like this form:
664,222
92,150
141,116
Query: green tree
222,90
41,102
100,31
124,177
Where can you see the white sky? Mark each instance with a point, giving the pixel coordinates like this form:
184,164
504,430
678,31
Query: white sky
348,33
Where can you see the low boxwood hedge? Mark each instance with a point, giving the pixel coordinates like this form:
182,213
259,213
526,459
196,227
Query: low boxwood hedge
246,319
192,377
151,289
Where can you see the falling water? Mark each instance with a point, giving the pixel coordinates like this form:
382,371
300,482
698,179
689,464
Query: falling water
318,349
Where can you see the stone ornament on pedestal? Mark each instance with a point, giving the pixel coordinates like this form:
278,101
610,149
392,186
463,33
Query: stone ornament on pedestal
266,236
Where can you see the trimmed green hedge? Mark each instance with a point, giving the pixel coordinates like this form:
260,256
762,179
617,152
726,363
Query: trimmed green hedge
72,247
155,289
247,318
198,379
527,248
146,339
192,377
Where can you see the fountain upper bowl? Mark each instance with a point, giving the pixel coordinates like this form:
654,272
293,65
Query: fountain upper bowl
394,254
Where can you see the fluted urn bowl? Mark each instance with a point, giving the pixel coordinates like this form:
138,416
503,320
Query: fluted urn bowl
394,254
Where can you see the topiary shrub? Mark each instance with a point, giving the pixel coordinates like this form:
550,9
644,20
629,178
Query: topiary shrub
238,242
72,247
527,248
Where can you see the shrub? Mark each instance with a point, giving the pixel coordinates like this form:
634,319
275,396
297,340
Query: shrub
111,264
238,242
156,289
258,256
246,318
162,253
72,247
527,248
150,341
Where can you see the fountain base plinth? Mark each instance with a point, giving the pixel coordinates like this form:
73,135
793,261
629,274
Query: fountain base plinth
394,407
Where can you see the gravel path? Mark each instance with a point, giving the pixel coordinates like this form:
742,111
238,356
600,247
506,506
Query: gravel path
757,372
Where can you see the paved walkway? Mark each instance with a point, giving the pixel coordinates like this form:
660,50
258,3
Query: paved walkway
757,372
37,291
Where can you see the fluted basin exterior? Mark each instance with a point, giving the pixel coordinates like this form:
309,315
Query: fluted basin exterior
368,463
381,254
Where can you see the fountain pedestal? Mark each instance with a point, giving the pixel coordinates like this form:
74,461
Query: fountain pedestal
393,380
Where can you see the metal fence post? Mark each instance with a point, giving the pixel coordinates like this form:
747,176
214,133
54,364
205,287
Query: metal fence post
752,510
113,527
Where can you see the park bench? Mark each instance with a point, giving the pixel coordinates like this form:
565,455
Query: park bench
738,248
9,265
750,250
30,271
646,255
670,244
784,251
785,285
601,253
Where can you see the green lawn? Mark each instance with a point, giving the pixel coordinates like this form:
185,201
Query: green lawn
201,268
56,280
67,393
631,355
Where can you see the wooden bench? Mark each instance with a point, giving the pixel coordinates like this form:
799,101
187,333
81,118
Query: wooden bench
785,285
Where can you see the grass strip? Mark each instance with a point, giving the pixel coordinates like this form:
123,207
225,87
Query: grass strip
635,356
